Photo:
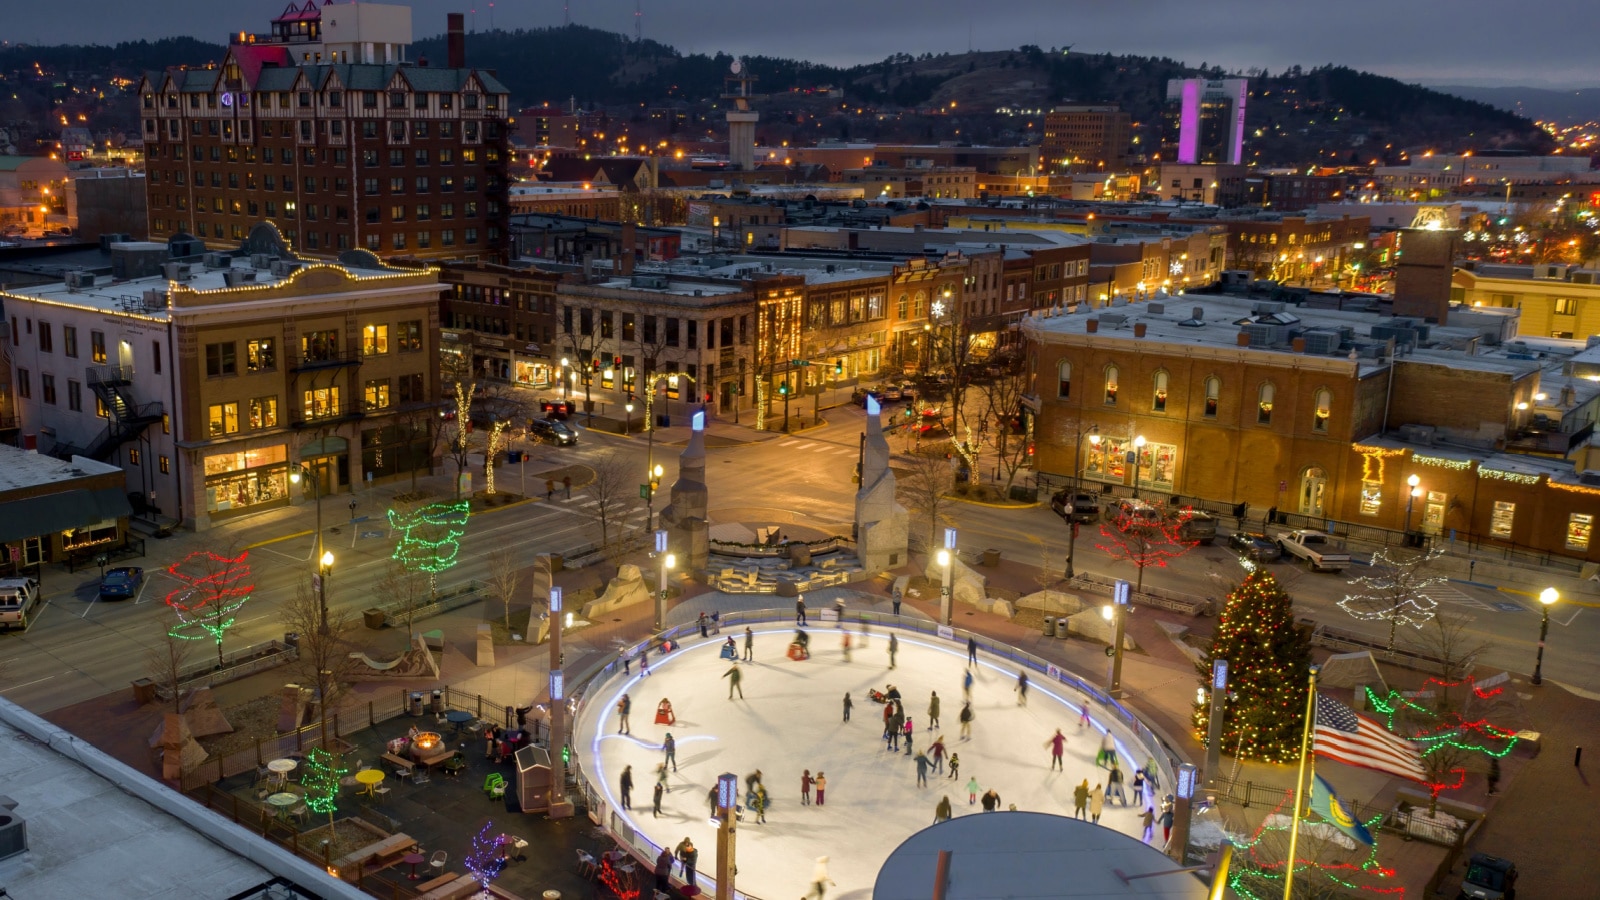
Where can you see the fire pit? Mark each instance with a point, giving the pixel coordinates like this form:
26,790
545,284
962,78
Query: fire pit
426,743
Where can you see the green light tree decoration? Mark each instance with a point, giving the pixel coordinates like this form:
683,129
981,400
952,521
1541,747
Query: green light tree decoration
323,769
212,588
1269,660
430,537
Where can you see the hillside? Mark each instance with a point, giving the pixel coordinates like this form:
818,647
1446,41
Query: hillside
1572,107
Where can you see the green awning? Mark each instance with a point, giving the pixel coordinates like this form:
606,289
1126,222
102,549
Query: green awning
55,513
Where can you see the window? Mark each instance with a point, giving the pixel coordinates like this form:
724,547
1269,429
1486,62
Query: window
320,403
46,338
1063,379
264,412
1111,386
1566,306
319,345
1500,520
605,325
1324,409
411,388
374,340
261,355
1580,528
69,341
691,340
221,359
155,353
74,396
100,408
408,335
377,394
223,418
133,456
1158,396
628,326
24,385
97,346
47,388
1371,498
165,464
1264,404
672,332
1213,394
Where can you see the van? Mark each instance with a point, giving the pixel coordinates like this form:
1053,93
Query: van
17,599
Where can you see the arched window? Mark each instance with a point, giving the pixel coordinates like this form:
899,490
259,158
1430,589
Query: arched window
1213,395
1063,379
1158,395
1111,385
1324,409
1264,404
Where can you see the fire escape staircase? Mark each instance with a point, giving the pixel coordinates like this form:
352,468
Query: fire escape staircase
127,417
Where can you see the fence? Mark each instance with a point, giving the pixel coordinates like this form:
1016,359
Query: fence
1349,642
604,668
395,611
236,664
1177,601
1407,819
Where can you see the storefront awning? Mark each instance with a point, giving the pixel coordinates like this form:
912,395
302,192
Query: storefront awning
325,446
54,513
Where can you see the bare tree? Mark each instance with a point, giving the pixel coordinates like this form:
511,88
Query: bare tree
418,426
1323,866
1395,590
1452,646
168,660
407,588
504,573
925,490
324,660
1002,401
614,490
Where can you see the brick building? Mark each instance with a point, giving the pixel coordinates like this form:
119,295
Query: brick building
501,322
1086,138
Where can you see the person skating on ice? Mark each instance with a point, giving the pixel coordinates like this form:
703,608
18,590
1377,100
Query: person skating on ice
760,804
972,651
1058,746
749,644
624,707
936,752
1080,800
894,647
805,787
847,705
991,800
661,778
955,765
1107,756
972,791
941,813
844,640
1097,803
1114,785
966,685
907,730
819,879
670,748
1148,820
822,785
933,711
655,808
922,770
1138,787
1022,688
627,786
799,611
689,857
734,675
965,718
1083,719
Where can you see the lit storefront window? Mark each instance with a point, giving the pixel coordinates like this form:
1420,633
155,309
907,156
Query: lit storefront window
1500,521
1158,397
1111,385
1580,528
247,479
1371,498
1108,461
535,374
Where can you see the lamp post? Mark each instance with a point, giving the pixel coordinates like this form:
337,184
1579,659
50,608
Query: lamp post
1077,488
946,558
1547,599
1116,612
324,573
561,376
1138,455
666,560
1411,497
628,419
317,553
727,826
1219,697
560,806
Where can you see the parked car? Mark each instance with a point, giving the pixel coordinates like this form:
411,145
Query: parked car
859,396
121,583
892,392
1254,546
1133,511
1489,878
1198,525
552,431
1081,508
908,391
1321,552
17,599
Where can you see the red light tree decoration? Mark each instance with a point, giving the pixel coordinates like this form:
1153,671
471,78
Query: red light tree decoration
212,588
1147,540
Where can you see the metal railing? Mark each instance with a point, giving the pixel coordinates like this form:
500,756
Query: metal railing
1410,822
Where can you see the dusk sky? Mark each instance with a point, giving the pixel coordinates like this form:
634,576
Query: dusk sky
1542,43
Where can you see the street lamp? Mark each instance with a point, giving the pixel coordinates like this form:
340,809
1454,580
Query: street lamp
1547,599
654,474
323,574
317,553
946,558
628,420
1138,447
1411,497
667,561
1116,612
1077,489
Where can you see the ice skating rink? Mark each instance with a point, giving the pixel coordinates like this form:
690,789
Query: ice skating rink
790,720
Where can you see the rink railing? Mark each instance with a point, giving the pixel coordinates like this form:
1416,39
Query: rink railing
600,672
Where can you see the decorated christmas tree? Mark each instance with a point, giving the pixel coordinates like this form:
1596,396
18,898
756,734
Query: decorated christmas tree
321,780
1269,659
429,537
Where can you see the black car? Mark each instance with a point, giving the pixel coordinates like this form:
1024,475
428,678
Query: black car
1081,508
552,431
1254,546
555,409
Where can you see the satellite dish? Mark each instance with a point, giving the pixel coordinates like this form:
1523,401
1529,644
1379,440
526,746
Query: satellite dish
737,66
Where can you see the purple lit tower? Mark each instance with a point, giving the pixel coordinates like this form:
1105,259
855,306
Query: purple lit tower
684,519
881,522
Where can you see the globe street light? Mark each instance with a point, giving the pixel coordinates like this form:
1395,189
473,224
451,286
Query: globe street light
304,472
1547,599
627,420
323,575
1138,453
946,557
1411,497
561,377
1077,489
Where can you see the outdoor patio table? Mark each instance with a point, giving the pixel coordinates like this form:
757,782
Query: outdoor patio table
371,778
280,769
412,859
458,718
283,800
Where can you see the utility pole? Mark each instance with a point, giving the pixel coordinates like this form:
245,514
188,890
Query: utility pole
727,802
560,806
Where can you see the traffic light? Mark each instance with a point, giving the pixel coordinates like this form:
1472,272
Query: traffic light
616,362
566,755
838,368
783,389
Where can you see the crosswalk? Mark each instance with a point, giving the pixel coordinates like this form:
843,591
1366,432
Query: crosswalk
818,447
1448,593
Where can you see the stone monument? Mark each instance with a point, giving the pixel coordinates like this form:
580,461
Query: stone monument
881,522
688,535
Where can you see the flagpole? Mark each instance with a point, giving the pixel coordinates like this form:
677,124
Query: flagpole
1299,785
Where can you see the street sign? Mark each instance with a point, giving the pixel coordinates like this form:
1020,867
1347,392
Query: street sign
1121,592
644,492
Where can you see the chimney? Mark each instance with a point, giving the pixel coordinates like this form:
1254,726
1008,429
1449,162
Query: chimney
1091,326
1138,329
1299,344
455,41
625,263
1199,313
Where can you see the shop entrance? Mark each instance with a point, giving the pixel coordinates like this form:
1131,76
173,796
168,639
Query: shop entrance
327,462
1313,486
1433,512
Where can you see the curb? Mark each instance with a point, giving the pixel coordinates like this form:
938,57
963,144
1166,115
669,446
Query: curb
1034,505
286,537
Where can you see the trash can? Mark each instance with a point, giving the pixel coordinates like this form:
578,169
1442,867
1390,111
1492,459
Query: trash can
436,704
144,691
374,618
1061,628
1049,626
291,639
991,559
663,421
415,708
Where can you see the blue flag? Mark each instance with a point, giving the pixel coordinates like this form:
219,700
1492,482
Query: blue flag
1326,805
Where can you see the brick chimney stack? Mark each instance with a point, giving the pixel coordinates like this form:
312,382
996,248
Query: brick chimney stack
628,239
455,41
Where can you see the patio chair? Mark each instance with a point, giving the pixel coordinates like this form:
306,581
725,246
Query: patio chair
298,813
419,775
438,861
586,864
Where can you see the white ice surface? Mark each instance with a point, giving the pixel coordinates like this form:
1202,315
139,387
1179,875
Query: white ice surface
790,720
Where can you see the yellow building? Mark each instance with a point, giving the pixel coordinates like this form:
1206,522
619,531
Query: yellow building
1556,301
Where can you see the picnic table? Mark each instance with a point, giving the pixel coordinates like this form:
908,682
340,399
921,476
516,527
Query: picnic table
370,778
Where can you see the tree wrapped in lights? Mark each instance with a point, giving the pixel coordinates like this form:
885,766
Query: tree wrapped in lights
323,770
1269,660
429,537
212,588
1394,591
1448,739
1325,867
487,859
1146,540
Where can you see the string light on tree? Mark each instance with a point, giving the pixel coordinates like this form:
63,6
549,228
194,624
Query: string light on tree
321,781
1395,592
1269,659
213,588
430,536
486,860
1258,868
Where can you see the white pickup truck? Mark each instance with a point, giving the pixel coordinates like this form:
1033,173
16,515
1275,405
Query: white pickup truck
1320,551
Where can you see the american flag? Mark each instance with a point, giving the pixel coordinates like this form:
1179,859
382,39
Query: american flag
1358,741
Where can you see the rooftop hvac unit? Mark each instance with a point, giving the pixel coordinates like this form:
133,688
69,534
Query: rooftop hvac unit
1589,477
1322,341
1263,334
1156,309
1266,308
80,280
218,260
1583,277
1402,336
1113,318
13,830
155,299
236,277
1418,434
283,268
261,260
176,271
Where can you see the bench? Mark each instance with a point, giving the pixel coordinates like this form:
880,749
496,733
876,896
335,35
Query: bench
461,886
437,758
381,853
373,664
441,881
401,765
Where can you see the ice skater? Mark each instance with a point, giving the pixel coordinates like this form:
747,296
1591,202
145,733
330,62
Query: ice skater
966,685
670,747
624,706
644,660
689,856
734,675
1080,800
1148,819
991,800
955,765
1058,746
933,711
759,804
1138,787
749,645
941,813
844,640
972,650
799,611
965,718
1166,819
847,705
1114,785
661,779
897,722
627,787
1107,756
936,750
1083,719
894,647
820,879
1022,688
1097,803
922,770
655,809
908,730
805,787
822,785
972,791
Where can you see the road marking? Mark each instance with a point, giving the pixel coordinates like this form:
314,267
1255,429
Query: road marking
1444,593
27,684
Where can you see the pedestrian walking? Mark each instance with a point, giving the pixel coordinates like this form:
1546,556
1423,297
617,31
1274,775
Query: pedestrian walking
664,870
705,625
688,856
933,711
549,489
822,785
936,750
566,481
1097,803
1114,785
941,813
1022,688
972,651
627,787
805,788
1138,787
845,641
1107,757
670,747
955,765
894,600
760,803
734,675
716,621
1148,819
1493,775
799,611
847,705
489,737
655,809
1083,718
1272,515
820,879
972,790
922,770
894,647
1080,800
991,800
965,718
749,644
624,706
1058,746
